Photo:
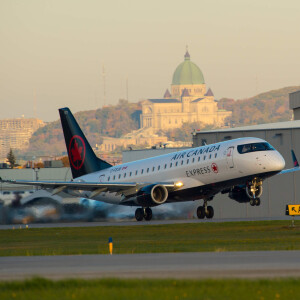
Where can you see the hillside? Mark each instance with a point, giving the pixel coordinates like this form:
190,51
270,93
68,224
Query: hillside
109,121
114,121
269,107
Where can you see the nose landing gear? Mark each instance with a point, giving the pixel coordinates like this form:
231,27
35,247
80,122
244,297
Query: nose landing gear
205,211
254,190
255,202
143,213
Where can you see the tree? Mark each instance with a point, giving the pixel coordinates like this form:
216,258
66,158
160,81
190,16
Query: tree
11,158
65,161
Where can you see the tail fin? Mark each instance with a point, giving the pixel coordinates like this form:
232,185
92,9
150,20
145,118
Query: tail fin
81,155
295,161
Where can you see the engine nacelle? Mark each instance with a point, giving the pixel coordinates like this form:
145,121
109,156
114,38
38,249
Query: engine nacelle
239,194
152,195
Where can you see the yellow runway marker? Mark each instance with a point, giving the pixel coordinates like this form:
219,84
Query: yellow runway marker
110,245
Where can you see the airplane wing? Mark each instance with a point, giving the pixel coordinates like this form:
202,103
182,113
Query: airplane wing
128,188
289,170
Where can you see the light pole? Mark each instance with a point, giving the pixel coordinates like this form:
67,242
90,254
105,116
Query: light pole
36,171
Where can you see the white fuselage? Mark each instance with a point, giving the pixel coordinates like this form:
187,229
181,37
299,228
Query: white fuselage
194,167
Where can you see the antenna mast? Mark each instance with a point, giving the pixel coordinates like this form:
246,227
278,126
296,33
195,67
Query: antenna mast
127,88
104,85
34,104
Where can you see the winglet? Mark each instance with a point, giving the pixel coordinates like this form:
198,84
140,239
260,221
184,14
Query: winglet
295,161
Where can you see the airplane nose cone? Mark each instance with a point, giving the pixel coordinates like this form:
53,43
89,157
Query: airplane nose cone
279,162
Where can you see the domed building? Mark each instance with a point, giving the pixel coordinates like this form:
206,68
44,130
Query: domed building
188,101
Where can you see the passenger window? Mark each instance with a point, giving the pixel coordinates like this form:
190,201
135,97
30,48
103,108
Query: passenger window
193,159
108,179
142,171
165,166
119,176
176,163
199,158
114,177
130,174
153,169
187,161
204,157
147,170
170,165
216,155
124,175
209,156
158,168
182,162
136,172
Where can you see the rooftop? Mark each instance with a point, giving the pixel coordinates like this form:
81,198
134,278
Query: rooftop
164,100
270,126
187,73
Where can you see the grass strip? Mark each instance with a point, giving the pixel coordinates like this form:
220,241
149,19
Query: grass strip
39,288
192,237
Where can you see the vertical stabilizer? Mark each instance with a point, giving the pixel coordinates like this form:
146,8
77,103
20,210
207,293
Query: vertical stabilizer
81,155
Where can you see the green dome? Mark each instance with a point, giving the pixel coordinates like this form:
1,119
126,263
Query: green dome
187,73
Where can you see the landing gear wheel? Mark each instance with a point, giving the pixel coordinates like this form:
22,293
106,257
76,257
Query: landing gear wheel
148,214
257,201
200,212
139,214
252,202
209,212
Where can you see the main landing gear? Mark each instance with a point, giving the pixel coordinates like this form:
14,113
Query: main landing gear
143,213
205,211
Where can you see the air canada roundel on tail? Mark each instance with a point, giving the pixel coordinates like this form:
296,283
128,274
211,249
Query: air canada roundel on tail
77,152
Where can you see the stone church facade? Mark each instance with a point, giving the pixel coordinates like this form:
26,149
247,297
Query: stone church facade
188,102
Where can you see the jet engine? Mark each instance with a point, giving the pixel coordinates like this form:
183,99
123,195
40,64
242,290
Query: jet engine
152,195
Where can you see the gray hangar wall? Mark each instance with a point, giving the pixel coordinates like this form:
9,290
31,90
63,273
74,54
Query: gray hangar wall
278,190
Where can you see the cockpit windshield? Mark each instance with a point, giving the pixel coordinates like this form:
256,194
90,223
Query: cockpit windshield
246,148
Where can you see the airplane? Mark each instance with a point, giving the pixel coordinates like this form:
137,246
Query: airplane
237,167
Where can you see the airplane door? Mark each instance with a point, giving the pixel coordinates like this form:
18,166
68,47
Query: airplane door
229,157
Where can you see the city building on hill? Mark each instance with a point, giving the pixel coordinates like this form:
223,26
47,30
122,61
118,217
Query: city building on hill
136,137
188,102
15,134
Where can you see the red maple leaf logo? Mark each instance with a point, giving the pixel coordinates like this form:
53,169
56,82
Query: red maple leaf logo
76,152
214,167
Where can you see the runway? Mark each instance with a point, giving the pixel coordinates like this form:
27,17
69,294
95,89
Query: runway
135,223
256,264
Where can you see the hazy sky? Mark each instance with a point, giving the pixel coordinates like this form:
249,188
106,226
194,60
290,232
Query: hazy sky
54,51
